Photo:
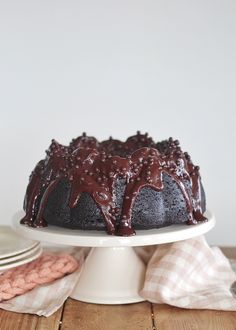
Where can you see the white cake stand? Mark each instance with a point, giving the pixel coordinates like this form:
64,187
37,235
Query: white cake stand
112,273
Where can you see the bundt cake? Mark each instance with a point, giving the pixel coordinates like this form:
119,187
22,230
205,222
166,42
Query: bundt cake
114,186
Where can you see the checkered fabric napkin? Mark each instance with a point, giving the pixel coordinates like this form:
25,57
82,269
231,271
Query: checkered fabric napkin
190,274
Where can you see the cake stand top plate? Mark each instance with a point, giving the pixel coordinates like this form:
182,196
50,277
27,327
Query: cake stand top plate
91,238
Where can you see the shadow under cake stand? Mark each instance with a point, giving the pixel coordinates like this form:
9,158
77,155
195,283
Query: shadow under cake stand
112,273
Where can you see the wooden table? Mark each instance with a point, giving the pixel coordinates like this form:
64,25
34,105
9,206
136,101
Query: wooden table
77,315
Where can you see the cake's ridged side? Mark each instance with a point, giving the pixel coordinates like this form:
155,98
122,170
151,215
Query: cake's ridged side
88,185
152,209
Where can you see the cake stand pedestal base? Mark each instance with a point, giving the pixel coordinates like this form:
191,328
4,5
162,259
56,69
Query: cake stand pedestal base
111,275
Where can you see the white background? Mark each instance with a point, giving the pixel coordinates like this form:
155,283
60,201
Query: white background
111,68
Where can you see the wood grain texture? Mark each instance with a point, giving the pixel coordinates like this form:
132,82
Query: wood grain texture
229,252
83,316
173,318
18,321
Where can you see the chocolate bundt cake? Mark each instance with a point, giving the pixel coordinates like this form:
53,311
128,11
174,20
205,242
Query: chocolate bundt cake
114,186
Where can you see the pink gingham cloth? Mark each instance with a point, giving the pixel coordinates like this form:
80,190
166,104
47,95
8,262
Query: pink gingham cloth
190,274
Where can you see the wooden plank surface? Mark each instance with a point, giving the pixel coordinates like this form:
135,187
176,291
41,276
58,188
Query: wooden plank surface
18,321
229,252
83,316
173,318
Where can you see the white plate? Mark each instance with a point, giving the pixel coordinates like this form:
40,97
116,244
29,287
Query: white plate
93,238
23,261
19,256
12,244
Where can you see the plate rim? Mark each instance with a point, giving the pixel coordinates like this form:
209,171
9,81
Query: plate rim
32,243
64,236
20,255
24,261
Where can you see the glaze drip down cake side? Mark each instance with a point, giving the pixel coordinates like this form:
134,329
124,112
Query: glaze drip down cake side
115,186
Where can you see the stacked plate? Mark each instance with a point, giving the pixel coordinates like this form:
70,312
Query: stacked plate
16,250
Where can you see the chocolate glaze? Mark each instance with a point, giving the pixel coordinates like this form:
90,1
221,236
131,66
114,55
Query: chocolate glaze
94,167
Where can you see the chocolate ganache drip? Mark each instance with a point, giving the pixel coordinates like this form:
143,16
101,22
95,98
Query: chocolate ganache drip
94,167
